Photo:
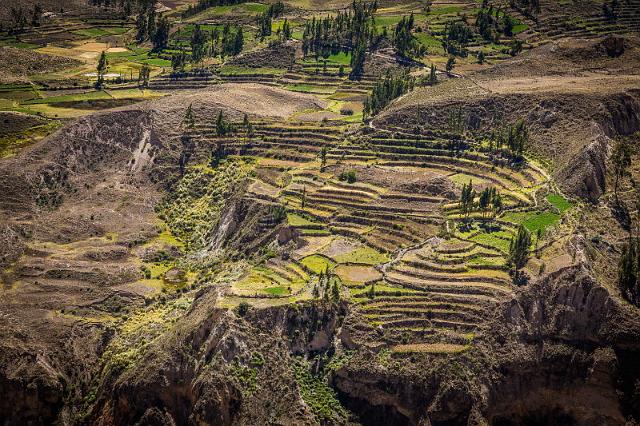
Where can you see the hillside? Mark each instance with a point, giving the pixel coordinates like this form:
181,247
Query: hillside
333,213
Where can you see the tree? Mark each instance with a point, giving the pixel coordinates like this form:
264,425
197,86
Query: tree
628,271
433,78
519,250
247,126
450,64
516,47
357,61
161,37
386,89
264,25
516,138
189,119
335,292
481,57
238,43
221,125
485,199
497,203
621,160
178,61
141,26
143,77
243,308
151,21
323,158
286,30
101,69
403,39
467,197
198,41
19,19
37,15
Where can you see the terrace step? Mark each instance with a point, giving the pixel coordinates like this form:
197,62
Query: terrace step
427,323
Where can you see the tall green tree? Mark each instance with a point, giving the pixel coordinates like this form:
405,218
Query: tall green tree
221,125
433,78
238,42
519,249
145,74
160,39
450,64
189,118
141,26
101,69
621,160
628,270
198,42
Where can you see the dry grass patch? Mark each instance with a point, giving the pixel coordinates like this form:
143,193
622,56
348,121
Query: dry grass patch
357,274
430,348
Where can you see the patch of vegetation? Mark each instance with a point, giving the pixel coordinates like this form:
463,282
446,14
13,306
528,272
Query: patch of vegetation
559,202
139,331
363,254
192,208
12,143
491,240
533,221
318,395
238,70
317,263
245,375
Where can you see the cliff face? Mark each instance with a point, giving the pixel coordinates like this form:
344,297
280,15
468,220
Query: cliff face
558,352
214,367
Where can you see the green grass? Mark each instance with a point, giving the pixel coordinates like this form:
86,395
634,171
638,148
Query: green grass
340,59
308,88
363,254
91,32
156,62
433,44
315,232
276,291
445,10
533,221
237,70
463,179
11,144
317,263
541,221
13,42
559,202
240,9
492,240
79,97
517,29
297,220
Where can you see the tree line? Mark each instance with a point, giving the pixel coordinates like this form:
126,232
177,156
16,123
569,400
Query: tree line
489,200
205,4
492,22
23,17
385,90
265,19
352,30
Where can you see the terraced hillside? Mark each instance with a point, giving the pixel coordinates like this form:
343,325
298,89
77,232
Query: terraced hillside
391,213
394,235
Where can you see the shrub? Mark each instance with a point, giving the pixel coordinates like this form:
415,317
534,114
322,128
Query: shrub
346,111
243,308
348,176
